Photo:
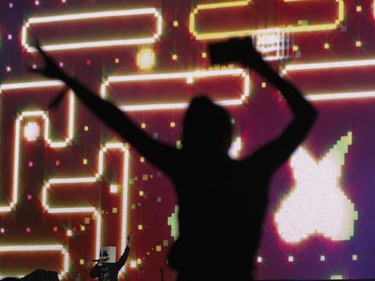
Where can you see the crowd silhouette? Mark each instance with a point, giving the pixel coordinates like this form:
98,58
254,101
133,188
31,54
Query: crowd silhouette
222,201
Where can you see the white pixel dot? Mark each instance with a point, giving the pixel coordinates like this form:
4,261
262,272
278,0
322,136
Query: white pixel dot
146,58
32,131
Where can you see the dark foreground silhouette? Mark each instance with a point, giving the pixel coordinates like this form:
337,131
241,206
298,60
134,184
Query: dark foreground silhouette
36,275
222,202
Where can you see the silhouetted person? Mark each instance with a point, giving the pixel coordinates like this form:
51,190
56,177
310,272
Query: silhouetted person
222,202
108,271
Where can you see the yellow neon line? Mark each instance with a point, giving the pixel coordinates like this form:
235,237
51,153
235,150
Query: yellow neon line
340,96
72,180
73,210
159,25
212,6
174,106
251,32
328,65
93,15
99,43
36,248
16,163
106,43
188,77
28,85
229,4
98,240
125,196
333,65
40,248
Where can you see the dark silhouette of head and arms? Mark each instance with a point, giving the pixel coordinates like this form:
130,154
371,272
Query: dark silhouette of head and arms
222,202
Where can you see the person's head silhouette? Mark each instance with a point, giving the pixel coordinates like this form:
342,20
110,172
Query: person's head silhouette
207,128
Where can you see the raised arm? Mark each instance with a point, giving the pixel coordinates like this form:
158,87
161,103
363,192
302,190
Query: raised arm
304,114
157,153
121,262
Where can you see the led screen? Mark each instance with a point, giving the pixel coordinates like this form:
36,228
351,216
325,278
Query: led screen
69,185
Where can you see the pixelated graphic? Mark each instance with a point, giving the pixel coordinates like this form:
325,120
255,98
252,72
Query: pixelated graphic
70,186
317,204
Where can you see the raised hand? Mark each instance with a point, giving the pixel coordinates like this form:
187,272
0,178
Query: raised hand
236,50
128,240
51,68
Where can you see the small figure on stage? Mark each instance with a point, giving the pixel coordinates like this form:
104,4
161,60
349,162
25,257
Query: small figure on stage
107,268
